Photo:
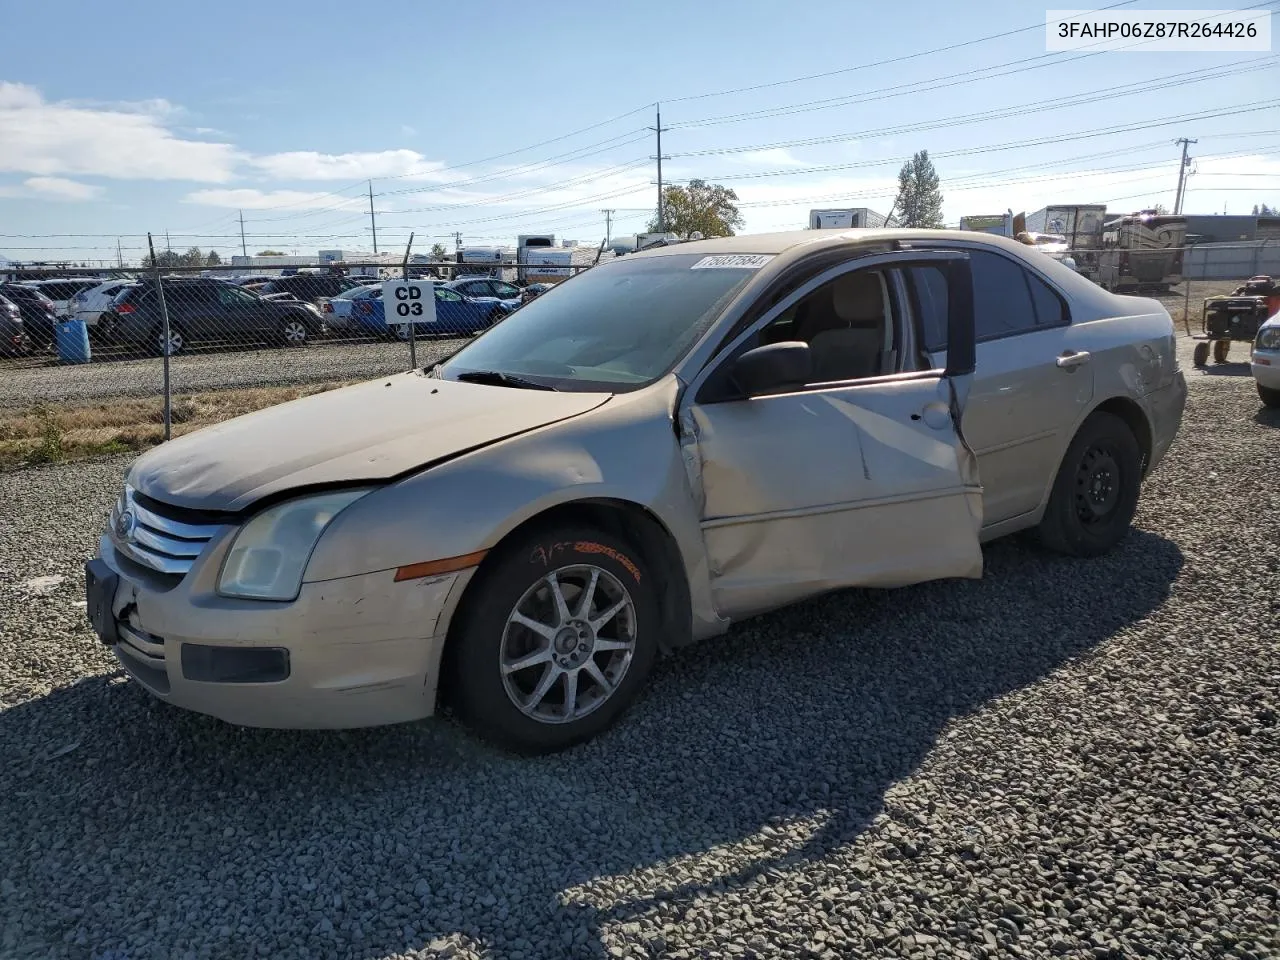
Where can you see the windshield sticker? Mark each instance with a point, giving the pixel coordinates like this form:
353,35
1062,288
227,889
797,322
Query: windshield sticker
733,261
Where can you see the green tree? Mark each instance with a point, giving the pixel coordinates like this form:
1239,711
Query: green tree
1262,210
213,259
438,252
194,257
705,207
270,253
165,259
919,202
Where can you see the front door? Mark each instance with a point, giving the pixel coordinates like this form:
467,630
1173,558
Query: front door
858,476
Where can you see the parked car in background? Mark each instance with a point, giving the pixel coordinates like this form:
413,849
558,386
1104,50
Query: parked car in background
337,310
456,316
487,290
88,304
62,292
666,444
1265,361
13,340
534,290
309,286
38,313
203,309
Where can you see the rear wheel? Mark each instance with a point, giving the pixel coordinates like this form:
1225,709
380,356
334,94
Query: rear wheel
556,641
1096,491
1269,395
1201,354
1221,350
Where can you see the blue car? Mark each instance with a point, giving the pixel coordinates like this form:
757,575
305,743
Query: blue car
456,316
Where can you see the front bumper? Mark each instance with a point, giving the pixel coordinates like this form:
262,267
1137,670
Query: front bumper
1265,366
355,652
1165,408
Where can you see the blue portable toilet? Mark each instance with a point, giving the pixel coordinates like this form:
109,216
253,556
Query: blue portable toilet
73,341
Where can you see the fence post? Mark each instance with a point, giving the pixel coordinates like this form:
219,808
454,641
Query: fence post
1186,302
164,350
413,339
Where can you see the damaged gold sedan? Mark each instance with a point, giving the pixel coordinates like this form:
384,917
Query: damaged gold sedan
668,443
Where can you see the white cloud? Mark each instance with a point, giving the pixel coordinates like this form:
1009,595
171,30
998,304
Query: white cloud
59,188
310,165
294,200
770,159
49,139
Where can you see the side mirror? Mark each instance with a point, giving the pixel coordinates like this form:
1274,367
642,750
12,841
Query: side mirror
773,367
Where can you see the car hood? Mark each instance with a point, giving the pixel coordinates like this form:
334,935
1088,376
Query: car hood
368,432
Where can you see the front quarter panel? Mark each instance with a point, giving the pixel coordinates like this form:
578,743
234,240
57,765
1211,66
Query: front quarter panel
625,450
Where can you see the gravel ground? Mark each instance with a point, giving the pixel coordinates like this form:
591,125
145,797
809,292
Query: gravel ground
211,370
1065,759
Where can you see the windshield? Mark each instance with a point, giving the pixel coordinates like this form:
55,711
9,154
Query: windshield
616,327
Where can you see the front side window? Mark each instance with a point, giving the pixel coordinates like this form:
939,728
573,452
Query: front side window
616,327
230,296
848,324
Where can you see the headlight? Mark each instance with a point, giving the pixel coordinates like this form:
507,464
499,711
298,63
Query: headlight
1268,338
269,555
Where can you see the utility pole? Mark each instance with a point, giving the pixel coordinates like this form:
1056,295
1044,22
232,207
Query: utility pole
167,248
373,224
662,207
243,248
608,226
119,255
1182,173
457,241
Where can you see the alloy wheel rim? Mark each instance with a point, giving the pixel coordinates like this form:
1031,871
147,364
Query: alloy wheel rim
295,331
567,644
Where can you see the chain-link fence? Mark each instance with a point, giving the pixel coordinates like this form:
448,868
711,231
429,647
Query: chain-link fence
98,361
114,360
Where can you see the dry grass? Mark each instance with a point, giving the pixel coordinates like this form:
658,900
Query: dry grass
45,434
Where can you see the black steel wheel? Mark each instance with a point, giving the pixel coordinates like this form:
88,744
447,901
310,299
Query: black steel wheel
1095,493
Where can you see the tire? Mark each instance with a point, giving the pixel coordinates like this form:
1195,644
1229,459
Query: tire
1095,493
503,707
1269,396
1221,350
1200,357
295,332
177,340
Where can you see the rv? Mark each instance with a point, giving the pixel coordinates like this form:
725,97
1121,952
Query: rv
482,262
853,218
540,260
1142,250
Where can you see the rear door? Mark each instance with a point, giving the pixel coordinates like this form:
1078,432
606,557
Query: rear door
860,476
1034,377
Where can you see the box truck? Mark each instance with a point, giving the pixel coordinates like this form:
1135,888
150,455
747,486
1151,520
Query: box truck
851,218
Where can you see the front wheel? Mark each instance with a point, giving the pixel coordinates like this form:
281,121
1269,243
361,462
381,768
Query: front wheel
1095,494
294,332
556,641
1269,395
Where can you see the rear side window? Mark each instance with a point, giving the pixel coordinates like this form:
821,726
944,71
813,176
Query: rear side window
1008,299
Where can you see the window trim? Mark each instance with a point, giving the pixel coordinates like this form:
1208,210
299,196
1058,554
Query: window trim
885,261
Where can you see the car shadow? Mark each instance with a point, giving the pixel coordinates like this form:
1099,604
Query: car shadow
362,842
1232,368
1267,417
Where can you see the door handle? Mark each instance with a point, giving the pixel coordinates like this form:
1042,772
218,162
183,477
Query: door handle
1069,361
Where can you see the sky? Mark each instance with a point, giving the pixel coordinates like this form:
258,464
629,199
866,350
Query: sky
498,119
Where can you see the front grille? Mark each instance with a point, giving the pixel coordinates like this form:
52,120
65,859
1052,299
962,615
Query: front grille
150,537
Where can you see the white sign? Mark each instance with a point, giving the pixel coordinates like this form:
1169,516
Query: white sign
405,301
733,261
1159,31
